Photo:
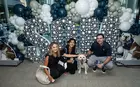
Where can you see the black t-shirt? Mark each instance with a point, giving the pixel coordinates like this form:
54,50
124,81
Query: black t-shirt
65,50
104,50
53,61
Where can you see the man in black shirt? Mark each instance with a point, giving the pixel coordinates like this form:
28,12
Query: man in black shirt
100,52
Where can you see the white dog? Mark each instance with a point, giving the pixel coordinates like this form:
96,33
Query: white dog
82,63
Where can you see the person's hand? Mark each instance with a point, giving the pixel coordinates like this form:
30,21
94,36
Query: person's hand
100,65
51,79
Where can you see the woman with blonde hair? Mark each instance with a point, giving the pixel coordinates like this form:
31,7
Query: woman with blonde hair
52,59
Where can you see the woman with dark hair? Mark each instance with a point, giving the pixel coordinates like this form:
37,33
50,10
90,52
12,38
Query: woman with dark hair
52,59
71,62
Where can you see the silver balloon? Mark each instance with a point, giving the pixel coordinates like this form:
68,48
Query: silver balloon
104,26
83,20
94,25
63,20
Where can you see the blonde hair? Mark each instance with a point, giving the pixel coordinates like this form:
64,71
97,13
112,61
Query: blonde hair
50,49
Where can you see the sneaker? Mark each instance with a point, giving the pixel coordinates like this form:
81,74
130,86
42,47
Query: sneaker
94,68
103,70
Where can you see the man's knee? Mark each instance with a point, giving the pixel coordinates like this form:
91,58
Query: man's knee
90,63
109,66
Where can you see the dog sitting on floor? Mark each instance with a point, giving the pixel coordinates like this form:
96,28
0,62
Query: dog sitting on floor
82,63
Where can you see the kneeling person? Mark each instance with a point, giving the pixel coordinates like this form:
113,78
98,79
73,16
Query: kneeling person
100,52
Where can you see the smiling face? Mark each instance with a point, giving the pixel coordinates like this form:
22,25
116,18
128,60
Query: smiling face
54,48
72,43
100,39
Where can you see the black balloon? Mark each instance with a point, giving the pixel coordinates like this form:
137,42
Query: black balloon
135,29
53,11
55,6
62,12
62,2
54,16
18,9
20,56
99,13
1,33
102,4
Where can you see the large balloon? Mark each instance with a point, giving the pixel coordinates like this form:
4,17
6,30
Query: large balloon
99,13
62,12
82,7
120,49
125,26
18,9
20,21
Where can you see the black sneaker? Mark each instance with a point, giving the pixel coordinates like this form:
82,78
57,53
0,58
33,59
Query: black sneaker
103,70
94,68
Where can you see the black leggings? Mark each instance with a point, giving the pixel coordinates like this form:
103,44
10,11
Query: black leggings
71,67
57,72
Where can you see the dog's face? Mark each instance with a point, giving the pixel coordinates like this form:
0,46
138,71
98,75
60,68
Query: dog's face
82,58
126,36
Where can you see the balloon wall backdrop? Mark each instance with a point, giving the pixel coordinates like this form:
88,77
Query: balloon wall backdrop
64,19
34,30
85,34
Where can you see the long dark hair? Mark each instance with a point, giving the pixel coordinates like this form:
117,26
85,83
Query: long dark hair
73,48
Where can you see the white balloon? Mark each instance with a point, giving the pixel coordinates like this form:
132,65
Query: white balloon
125,17
46,7
110,1
112,8
117,4
34,4
91,13
120,49
20,45
15,16
119,43
67,7
72,10
69,13
123,9
76,18
21,28
14,41
12,21
72,4
82,7
125,26
20,21
129,10
38,11
115,13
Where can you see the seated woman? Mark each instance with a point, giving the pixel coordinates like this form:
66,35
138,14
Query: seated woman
71,62
51,61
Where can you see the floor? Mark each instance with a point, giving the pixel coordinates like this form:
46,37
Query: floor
24,76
